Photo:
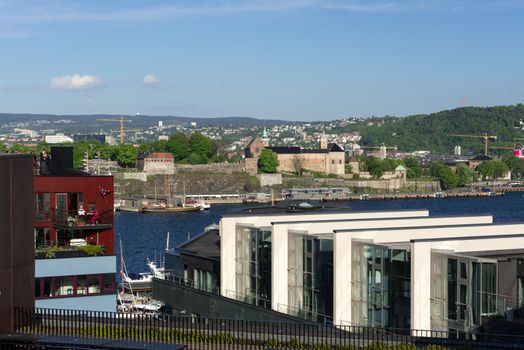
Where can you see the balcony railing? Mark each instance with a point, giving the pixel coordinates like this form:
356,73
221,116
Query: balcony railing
89,221
67,250
202,332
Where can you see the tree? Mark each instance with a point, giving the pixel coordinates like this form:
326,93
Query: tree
201,145
447,178
178,145
298,164
348,169
126,155
3,147
492,168
268,161
413,166
465,175
19,148
376,167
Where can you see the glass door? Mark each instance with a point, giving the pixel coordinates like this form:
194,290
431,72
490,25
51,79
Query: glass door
61,204
378,303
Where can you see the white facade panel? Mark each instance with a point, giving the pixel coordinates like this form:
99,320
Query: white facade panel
105,303
75,266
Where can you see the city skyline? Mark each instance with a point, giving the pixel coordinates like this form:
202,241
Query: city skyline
290,59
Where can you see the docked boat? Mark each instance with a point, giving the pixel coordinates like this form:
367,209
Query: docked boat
200,204
138,282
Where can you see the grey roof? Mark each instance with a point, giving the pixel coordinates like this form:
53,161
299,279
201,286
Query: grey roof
332,147
205,245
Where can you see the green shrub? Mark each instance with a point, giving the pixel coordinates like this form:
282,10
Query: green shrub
92,250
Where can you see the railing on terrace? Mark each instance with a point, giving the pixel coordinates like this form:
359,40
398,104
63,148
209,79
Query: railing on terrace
249,298
305,314
235,334
181,281
72,221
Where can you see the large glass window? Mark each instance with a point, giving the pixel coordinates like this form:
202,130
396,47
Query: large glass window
93,284
63,286
67,286
42,206
41,236
452,289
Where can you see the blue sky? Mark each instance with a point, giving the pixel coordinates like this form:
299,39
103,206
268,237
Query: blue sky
287,59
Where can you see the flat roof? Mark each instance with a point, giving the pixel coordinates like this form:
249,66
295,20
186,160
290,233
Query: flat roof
330,210
15,155
426,227
464,238
388,218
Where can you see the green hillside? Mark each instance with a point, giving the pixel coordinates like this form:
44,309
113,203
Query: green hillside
432,131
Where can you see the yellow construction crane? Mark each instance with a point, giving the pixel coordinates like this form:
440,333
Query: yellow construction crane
122,121
483,135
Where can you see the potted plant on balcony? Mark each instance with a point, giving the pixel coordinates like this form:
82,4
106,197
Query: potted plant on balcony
70,221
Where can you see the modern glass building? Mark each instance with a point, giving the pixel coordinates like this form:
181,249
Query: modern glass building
402,269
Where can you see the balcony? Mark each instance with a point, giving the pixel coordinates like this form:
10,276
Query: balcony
73,249
71,221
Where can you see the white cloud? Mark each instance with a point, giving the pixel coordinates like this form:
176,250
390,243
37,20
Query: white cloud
150,79
75,82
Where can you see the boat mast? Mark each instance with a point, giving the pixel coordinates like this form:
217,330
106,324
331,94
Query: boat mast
184,188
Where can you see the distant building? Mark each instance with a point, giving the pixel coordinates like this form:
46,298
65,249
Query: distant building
27,132
254,148
457,151
265,137
156,163
58,138
163,138
476,161
90,138
330,160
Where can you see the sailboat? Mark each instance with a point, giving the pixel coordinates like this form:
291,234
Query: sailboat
182,207
155,207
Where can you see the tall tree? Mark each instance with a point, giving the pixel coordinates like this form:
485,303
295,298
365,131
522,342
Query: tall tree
126,155
413,166
465,175
201,145
268,161
178,144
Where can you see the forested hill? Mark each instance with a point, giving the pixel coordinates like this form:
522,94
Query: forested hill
432,131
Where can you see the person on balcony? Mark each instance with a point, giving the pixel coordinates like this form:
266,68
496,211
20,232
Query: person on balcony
95,217
45,163
81,211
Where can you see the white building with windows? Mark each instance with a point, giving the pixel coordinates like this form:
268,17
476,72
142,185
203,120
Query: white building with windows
402,269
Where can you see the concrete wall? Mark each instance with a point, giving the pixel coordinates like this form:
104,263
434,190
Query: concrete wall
157,166
269,179
141,176
251,166
227,168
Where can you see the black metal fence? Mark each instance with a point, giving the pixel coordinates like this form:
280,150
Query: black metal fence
198,332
